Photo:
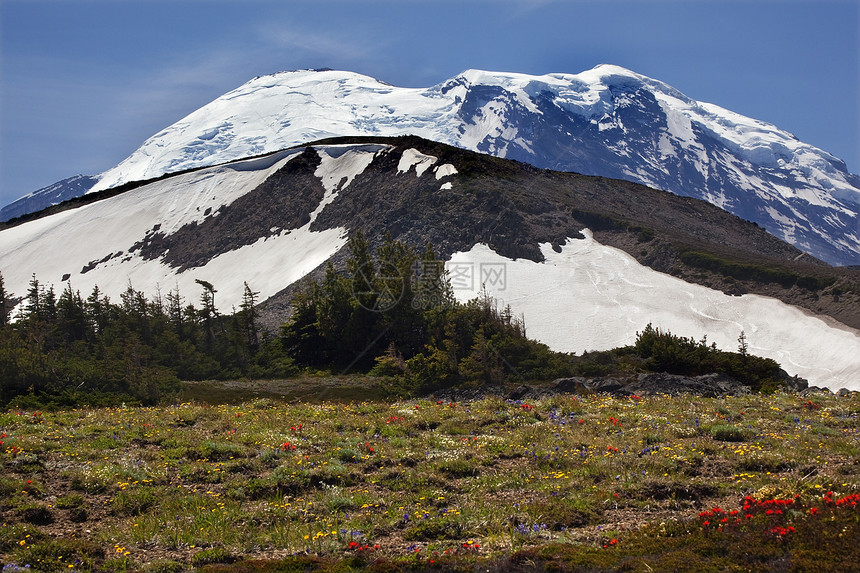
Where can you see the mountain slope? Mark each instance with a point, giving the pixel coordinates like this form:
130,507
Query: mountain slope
607,121
272,220
46,196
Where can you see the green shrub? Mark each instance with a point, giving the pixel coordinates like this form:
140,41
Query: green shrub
434,530
217,451
133,501
12,534
459,468
78,514
70,501
730,433
347,455
758,273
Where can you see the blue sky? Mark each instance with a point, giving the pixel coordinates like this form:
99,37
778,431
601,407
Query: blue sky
84,83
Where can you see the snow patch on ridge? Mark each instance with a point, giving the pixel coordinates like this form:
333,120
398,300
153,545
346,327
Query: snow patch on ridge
594,297
70,241
339,165
445,171
412,157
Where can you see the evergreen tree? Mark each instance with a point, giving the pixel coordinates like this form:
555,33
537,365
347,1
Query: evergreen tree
300,337
72,316
208,313
175,312
743,347
97,310
361,269
33,309
334,309
482,365
250,315
49,305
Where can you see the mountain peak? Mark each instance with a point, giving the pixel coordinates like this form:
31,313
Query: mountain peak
607,121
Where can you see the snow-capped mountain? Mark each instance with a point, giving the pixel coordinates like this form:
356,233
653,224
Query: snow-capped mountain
578,256
607,121
46,196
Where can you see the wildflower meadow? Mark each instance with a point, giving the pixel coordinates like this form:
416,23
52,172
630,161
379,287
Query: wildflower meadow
567,482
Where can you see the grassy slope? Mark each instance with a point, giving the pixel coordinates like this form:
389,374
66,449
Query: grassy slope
588,482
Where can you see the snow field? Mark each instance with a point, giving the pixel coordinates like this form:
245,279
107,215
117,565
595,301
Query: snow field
65,243
594,297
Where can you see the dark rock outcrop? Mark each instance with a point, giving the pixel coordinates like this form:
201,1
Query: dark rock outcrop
643,384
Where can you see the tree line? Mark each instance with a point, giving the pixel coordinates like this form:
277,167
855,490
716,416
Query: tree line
390,313
69,349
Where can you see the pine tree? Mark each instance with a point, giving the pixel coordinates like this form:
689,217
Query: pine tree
175,313
361,270
300,337
482,364
50,304
71,316
97,310
33,308
208,313
334,311
249,318
743,347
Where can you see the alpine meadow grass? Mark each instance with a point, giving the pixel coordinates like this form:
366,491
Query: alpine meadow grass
562,483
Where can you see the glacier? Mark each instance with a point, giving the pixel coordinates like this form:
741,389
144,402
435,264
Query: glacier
608,121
